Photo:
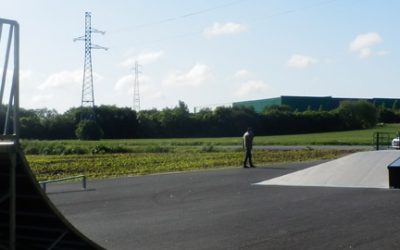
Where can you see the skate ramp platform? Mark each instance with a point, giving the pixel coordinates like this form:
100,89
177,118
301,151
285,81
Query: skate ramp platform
28,219
358,170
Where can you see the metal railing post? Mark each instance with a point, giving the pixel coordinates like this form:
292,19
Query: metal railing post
84,181
377,141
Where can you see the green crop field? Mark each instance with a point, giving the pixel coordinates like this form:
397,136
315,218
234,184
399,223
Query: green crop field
110,158
112,165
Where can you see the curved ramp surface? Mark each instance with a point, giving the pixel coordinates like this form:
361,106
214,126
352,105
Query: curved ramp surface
360,170
38,224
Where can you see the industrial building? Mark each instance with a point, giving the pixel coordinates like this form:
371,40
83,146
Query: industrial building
302,103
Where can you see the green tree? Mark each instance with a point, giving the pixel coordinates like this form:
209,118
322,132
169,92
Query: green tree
278,108
89,130
358,114
31,127
176,122
395,105
117,123
149,124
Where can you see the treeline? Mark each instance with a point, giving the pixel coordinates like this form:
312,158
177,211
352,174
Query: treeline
124,123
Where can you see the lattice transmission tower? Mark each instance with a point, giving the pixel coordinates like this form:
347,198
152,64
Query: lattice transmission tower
136,94
87,100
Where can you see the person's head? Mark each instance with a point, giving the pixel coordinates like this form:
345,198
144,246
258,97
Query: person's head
249,129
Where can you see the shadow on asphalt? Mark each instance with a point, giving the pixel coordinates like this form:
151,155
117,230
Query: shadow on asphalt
71,191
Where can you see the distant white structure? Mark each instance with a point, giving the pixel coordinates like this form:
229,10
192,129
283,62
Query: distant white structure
136,94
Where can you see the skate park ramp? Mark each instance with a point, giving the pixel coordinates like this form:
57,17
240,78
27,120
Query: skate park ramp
37,224
358,170
28,220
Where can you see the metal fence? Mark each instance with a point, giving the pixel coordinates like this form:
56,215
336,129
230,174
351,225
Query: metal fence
383,140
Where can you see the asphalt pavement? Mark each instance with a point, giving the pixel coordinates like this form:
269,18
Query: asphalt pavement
222,209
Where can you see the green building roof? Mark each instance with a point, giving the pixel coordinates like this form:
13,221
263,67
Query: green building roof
303,103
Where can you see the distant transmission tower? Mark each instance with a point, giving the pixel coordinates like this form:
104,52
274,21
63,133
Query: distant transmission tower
87,103
136,95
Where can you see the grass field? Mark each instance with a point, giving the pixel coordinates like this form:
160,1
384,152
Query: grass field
356,137
110,158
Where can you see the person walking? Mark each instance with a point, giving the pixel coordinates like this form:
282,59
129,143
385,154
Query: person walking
247,147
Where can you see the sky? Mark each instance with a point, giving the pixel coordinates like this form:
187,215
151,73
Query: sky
206,53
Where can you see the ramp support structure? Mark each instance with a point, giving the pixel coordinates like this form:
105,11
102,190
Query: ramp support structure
28,219
9,137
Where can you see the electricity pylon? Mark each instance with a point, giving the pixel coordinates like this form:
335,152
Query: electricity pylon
87,100
136,95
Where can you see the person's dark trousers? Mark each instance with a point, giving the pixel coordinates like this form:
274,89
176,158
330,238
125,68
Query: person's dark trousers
247,157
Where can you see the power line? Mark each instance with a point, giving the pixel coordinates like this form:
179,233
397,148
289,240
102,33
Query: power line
172,19
260,19
290,11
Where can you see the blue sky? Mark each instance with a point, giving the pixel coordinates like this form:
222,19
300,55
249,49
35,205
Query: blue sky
207,52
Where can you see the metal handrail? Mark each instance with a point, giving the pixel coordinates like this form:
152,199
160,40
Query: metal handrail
44,183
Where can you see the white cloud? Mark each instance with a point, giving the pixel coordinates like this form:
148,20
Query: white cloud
149,92
365,52
62,79
127,81
42,99
218,29
252,87
301,61
197,75
243,73
124,82
66,78
363,43
143,58
150,57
